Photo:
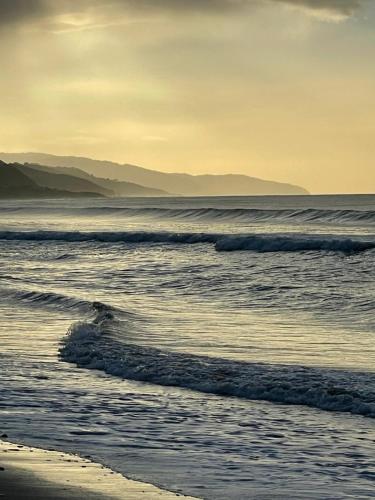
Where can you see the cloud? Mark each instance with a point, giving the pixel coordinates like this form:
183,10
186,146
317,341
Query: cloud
343,7
338,8
16,10
13,11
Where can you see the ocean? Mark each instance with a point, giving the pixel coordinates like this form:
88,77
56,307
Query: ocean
217,347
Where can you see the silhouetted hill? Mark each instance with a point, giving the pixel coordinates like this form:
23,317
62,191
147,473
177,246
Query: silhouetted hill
12,178
15,184
243,185
60,181
84,180
183,184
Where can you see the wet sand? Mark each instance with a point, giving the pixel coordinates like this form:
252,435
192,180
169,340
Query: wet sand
35,474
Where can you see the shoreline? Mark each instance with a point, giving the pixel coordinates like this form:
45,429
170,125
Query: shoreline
38,474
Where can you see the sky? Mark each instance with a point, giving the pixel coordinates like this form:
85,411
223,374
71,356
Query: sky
278,89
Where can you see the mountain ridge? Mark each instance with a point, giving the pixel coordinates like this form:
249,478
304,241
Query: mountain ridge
108,187
16,184
174,183
52,180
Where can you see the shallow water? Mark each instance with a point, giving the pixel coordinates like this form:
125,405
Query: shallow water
187,352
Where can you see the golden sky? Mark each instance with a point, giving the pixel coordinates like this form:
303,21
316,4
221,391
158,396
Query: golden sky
278,89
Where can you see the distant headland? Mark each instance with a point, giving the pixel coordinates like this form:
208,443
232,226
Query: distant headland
45,175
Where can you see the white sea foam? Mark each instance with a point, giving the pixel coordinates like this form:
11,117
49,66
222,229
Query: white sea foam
90,345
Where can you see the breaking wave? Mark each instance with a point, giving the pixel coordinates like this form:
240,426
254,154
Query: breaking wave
244,215
98,344
91,346
222,242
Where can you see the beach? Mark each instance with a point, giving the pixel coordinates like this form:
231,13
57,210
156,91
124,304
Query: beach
36,474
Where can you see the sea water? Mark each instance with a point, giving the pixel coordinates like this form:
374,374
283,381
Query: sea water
218,347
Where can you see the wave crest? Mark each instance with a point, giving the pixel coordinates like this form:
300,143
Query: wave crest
56,301
95,345
222,242
246,215
90,345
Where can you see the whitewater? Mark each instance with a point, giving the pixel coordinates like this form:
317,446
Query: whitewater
216,347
